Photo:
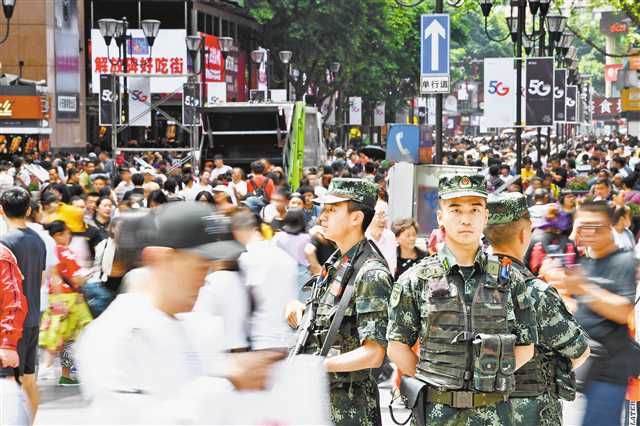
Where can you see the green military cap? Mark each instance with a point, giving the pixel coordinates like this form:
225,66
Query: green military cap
506,208
454,186
347,189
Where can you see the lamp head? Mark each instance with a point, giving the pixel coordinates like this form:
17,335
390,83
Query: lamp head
7,8
335,67
285,56
544,7
150,28
534,5
512,23
486,6
226,44
194,43
108,28
259,56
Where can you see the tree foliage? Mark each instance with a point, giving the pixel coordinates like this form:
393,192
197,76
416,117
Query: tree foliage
376,42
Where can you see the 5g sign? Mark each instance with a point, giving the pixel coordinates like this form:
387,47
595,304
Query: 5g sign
190,104
498,88
107,97
538,88
540,92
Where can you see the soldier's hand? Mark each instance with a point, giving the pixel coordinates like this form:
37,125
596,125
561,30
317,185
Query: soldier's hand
294,312
251,370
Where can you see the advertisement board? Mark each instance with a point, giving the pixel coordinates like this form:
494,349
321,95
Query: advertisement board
168,57
499,92
66,35
540,90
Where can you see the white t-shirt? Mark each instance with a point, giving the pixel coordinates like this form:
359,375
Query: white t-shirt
271,276
225,295
387,245
220,171
240,187
139,365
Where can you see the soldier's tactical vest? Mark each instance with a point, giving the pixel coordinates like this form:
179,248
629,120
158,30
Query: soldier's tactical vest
347,339
449,353
546,372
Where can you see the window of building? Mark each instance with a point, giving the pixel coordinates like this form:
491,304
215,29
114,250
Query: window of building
216,26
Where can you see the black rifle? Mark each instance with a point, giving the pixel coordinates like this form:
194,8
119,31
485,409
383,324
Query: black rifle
305,329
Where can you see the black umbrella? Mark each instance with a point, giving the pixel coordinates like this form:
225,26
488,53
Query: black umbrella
375,151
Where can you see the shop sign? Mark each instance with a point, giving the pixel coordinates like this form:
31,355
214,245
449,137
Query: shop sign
21,108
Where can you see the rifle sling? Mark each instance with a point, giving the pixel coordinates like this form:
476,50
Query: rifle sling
344,303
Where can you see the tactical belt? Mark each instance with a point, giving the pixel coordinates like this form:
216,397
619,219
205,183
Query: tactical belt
464,399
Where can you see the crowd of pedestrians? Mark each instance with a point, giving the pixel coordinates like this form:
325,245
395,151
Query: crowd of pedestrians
86,241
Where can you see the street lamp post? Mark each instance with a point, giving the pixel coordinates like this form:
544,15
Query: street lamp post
7,9
335,70
285,57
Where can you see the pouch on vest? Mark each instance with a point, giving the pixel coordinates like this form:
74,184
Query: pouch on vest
486,349
505,380
439,287
565,379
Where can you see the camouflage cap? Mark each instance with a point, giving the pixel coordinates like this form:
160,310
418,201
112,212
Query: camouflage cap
506,208
454,186
348,189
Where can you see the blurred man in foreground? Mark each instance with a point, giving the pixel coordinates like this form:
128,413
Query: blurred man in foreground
604,286
144,360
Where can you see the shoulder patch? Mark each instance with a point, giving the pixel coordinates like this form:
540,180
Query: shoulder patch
395,295
430,268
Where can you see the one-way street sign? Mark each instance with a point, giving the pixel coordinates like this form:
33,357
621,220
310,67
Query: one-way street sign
434,53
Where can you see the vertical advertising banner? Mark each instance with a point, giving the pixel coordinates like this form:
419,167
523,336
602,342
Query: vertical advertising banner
66,34
539,92
107,97
139,101
190,104
572,104
499,93
378,115
559,92
214,63
355,111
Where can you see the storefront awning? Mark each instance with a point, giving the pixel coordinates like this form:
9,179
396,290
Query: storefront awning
25,131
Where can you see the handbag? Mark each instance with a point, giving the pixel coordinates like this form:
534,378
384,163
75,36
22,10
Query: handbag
413,392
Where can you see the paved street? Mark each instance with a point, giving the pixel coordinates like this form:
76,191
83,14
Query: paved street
65,406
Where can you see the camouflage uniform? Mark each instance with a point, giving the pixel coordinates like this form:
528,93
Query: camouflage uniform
354,396
410,318
560,338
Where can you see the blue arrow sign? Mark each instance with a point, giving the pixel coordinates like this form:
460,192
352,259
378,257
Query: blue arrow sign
434,45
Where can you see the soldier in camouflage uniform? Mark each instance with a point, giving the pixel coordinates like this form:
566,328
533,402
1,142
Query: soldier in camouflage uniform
361,340
459,303
562,344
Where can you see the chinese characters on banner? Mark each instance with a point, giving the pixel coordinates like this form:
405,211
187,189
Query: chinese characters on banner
606,108
168,57
214,60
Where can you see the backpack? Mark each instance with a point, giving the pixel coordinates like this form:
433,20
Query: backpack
257,199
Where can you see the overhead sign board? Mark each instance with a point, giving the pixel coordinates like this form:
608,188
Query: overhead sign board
167,58
435,36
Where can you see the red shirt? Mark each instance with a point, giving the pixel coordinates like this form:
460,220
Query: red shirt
13,303
259,180
67,268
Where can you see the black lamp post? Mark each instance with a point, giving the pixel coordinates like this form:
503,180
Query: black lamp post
7,9
285,57
335,70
